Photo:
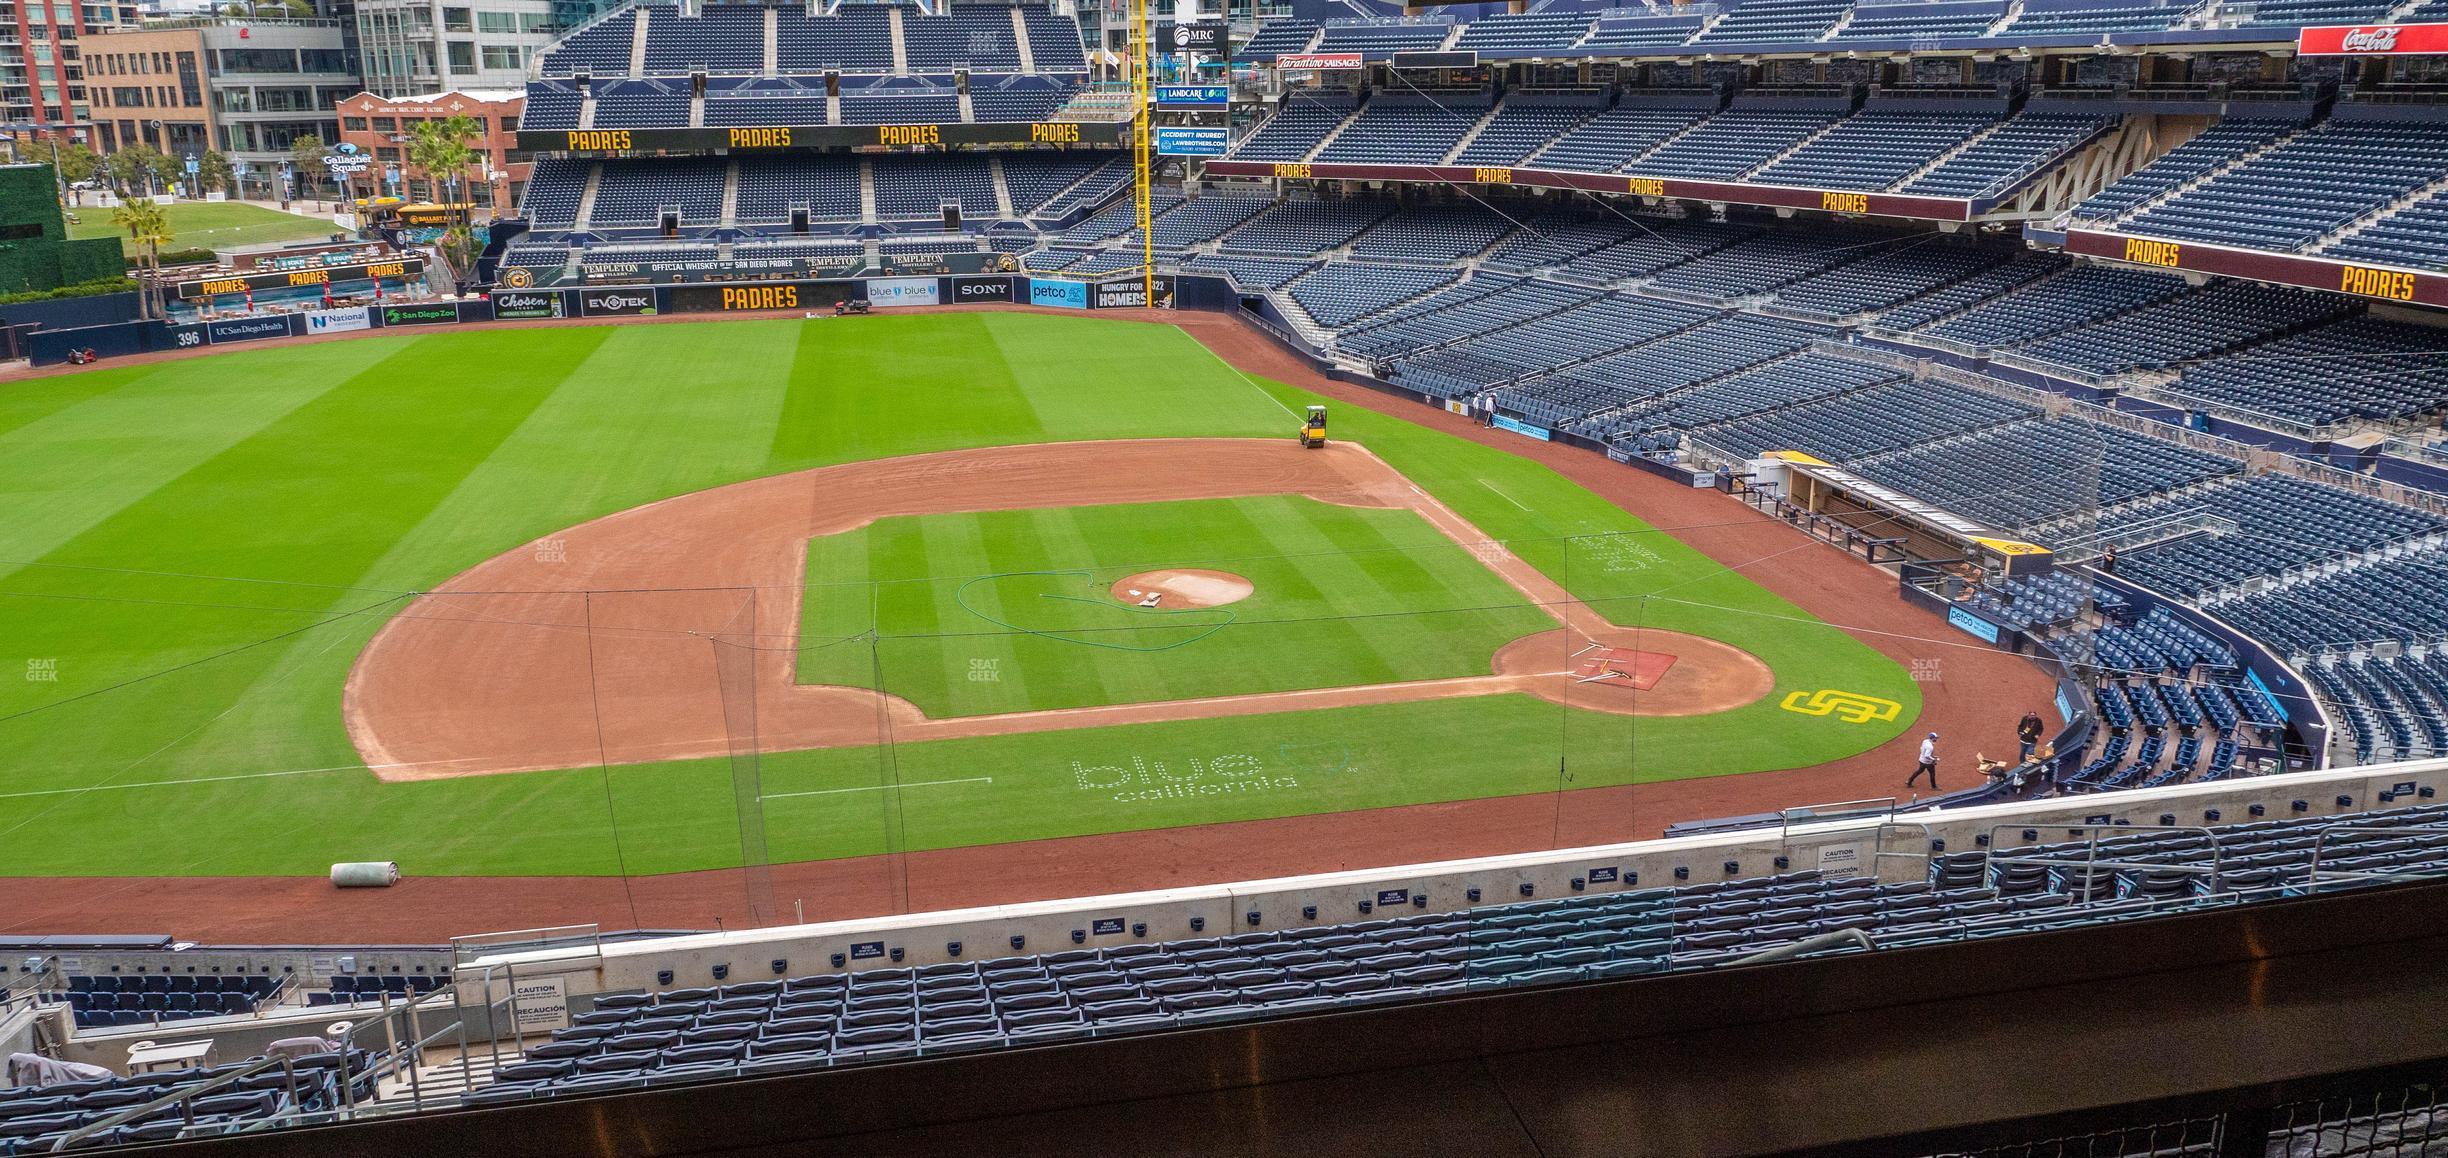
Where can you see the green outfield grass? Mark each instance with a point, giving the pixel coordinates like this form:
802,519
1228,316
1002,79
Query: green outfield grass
1009,611
210,225
198,549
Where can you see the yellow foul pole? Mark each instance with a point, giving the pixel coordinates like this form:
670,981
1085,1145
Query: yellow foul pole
1142,170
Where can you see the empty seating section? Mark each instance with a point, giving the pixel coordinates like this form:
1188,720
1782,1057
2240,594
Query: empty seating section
2404,597
1522,126
764,102
1873,150
1404,130
598,49
112,999
1204,219
978,37
1583,330
1902,273
1276,37
2281,524
1529,34
2089,18
2360,367
36,1119
1378,39
856,38
638,104
554,189
2318,181
1054,41
550,106
770,187
1872,421
1299,123
2059,303
635,192
1610,140
1617,32
1915,18
2015,150
1764,262
2415,236
1962,295
1475,306
1106,180
1251,273
1658,375
1340,293
918,186
2217,318
1732,143
1439,234
1654,246
1295,228
1783,379
1773,21
719,38
1553,240
898,104
1017,102
2219,144
1035,179
2029,473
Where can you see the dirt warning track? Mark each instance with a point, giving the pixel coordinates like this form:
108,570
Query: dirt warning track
659,632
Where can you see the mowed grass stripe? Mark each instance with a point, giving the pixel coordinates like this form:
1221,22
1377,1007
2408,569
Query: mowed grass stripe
914,384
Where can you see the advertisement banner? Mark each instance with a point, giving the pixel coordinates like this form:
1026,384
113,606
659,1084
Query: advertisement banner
339,321
1972,624
756,296
1314,61
1517,426
238,283
2373,40
1058,294
1192,141
186,337
1193,96
967,290
527,305
427,314
903,291
626,302
1129,293
1205,37
248,329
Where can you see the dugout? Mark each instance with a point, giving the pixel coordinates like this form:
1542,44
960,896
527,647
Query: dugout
1881,524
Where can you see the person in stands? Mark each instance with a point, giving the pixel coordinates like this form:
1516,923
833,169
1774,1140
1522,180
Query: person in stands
2108,559
2027,734
1929,763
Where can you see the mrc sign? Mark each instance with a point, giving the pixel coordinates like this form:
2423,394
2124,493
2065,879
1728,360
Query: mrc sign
2373,40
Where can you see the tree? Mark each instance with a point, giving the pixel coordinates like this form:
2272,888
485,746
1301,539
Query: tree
132,169
443,148
215,173
148,226
306,158
75,162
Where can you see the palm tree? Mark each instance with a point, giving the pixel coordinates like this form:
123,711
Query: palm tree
443,147
149,226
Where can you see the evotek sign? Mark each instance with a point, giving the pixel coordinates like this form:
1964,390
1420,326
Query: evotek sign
2373,40
616,303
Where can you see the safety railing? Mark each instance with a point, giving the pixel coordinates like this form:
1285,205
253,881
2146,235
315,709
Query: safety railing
2091,865
184,1098
2321,850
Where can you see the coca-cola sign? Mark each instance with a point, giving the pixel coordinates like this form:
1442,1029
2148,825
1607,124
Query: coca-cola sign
2373,40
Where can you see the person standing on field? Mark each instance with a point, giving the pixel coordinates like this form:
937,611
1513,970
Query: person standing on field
1929,763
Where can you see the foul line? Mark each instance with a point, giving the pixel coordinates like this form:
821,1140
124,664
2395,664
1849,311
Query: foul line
179,783
875,787
1504,496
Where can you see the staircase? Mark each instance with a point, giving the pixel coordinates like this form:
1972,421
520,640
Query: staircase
637,45
867,194
968,112
439,1084
586,109
1956,151
1332,133
2403,10
586,199
1020,40
2379,215
1477,128
2188,186
833,108
773,42
1796,147
697,111
1318,337
730,201
900,46
2013,13
1002,188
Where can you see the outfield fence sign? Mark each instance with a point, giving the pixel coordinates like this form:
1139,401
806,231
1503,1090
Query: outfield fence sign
904,291
339,321
1058,293
529,305
250,329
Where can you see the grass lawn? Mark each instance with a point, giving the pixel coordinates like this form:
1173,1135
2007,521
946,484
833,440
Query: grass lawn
1006,611
198,549
210,225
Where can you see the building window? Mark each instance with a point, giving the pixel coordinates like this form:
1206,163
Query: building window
457,20
353,124
497,22
386,125
462,56
503,56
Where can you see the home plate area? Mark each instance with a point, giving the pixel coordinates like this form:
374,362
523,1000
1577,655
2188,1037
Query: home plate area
1621,666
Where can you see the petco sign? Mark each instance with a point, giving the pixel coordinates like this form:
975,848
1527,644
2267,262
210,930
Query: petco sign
2374,40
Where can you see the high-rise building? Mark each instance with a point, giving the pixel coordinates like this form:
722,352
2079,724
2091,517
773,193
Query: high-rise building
424,46
246,87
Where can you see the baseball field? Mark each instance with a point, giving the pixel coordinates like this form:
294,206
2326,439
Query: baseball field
596,600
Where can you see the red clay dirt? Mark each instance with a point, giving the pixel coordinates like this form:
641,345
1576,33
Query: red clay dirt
1186,587
1971,693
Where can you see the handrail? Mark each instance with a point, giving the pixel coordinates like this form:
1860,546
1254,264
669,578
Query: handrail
178,1096
1829,940
2090,859
2320,845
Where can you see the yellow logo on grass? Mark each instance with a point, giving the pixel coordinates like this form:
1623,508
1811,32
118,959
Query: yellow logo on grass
1851,707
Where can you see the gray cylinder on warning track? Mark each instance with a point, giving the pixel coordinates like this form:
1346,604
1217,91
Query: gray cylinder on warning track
365,874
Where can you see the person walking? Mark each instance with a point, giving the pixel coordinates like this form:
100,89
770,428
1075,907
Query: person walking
2027,734
1929,763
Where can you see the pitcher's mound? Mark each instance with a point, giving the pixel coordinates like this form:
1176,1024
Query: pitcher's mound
1182,589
